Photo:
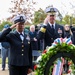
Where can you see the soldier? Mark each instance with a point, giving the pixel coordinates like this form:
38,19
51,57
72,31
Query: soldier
20,47
50,30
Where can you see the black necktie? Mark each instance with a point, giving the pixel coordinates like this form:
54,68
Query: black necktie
52,29
21,34
52,26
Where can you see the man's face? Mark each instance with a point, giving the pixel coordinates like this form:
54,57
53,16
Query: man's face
20,27
51,18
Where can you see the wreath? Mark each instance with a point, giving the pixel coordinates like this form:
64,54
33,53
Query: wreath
59,45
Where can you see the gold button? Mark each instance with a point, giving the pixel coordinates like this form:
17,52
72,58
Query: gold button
51,38
22,54
22,45
28,42
22,50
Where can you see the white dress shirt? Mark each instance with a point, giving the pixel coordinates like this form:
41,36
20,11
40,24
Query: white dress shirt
21,35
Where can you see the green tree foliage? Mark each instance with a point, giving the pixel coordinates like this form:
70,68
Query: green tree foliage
59,22
39,16
3,23
66,19
73,20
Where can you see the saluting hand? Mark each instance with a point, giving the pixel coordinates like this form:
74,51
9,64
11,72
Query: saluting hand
14,25
46,20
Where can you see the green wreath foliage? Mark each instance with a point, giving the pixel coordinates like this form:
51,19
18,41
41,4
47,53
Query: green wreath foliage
49,52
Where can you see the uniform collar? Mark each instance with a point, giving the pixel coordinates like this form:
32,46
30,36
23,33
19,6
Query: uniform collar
20,33
52,24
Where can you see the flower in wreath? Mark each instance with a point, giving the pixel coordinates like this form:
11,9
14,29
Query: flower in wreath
38,59
69,63
35,67
44,51
69,71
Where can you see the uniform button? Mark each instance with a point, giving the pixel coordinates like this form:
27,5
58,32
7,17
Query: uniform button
51,38
22,41
22,50
22,45
22,54
28,42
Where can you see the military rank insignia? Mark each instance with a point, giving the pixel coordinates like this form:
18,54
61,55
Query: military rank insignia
28,38
43,29
21,18
59,31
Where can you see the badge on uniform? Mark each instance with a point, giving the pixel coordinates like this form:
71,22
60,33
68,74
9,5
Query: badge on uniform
28,38
21,17
59,31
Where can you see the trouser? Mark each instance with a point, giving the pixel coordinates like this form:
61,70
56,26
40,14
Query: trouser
4,53
18,70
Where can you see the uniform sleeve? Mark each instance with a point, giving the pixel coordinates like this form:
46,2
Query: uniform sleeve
41,33
3,35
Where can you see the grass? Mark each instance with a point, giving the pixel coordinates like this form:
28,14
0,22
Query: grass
1,60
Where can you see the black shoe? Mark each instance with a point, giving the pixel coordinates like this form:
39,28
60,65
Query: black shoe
3,69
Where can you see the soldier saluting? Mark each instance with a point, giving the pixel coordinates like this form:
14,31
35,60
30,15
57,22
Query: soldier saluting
20,47
50,30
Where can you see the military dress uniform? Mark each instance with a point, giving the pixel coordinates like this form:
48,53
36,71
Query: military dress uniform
20,51
48,33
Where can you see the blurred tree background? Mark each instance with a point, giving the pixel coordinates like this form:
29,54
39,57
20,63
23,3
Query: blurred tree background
33,16
39,16
26,7
3,23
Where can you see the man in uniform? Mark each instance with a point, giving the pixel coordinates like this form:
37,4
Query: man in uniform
50,30
20,47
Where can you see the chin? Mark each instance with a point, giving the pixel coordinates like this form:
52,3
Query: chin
20,30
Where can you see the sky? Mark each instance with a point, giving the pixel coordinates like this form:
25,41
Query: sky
4,6
64,6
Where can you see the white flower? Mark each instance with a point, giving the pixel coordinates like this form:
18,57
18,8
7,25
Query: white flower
49,48
38,59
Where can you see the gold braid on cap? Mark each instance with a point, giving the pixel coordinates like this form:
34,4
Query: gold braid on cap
51,13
